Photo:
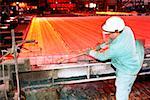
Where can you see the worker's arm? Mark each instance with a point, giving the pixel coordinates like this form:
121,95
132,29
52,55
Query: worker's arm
105,55
100,46
103,45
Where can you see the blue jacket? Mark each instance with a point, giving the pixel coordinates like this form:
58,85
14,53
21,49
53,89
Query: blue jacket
126,55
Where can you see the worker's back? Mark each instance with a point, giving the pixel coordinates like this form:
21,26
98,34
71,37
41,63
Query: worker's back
127,55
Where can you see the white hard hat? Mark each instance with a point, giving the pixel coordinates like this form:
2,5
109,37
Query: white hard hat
113,24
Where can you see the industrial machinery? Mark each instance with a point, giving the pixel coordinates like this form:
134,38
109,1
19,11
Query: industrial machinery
45,76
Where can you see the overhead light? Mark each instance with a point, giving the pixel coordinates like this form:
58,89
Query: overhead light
92,5
17,2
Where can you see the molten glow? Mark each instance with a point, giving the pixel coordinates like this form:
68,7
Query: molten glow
63,35
58,36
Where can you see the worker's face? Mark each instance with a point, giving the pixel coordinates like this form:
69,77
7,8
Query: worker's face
109,36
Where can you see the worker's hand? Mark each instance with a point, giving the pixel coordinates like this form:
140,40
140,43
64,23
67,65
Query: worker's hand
88,51
98,47
102,46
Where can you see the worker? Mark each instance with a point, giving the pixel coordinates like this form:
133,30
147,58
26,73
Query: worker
125,53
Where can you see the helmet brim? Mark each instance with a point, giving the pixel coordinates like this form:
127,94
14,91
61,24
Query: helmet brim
107,29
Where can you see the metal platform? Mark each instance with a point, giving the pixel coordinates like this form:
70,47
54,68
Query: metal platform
69,74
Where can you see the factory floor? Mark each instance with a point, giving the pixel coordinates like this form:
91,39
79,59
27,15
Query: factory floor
105,90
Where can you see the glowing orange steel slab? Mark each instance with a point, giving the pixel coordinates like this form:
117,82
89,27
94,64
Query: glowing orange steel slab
71,35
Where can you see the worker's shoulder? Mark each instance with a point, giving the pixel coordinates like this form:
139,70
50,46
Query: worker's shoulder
127,28
127,31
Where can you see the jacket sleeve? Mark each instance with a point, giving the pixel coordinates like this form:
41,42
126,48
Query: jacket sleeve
100,46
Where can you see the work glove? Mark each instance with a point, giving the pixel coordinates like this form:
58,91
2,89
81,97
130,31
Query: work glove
100,46
87,52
